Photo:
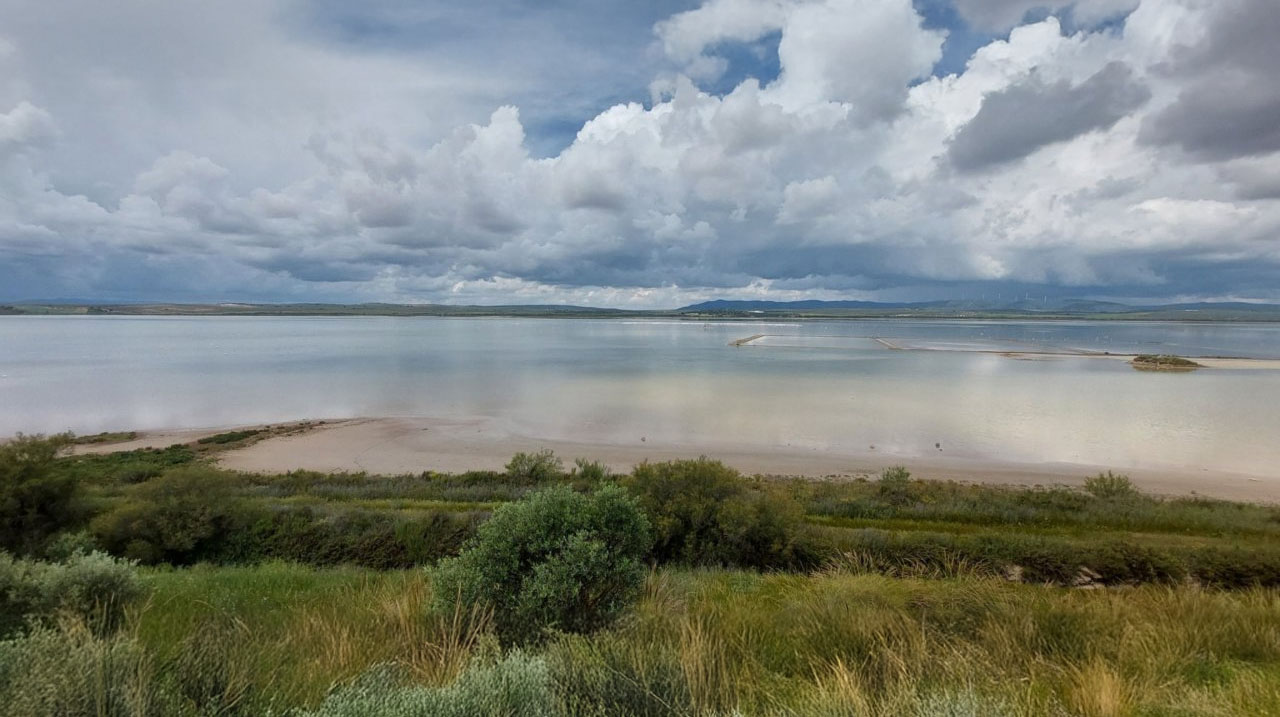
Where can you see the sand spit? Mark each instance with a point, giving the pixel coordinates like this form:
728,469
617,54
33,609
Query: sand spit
1226,362
415,444
168,437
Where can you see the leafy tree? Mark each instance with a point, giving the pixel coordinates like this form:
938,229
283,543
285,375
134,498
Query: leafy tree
35,501
556,559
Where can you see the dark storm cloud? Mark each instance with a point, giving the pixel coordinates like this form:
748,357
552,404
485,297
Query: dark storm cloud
1017,121
1254,181
1230,106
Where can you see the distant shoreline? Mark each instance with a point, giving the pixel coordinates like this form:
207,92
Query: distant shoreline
400,445
1203,313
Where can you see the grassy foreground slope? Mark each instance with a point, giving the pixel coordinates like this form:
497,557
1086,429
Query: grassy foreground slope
248,640
311,594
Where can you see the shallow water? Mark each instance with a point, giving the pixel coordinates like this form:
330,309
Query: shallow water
820,385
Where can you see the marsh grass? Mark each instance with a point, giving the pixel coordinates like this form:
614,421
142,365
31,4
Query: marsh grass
1114,507
298,631
239,641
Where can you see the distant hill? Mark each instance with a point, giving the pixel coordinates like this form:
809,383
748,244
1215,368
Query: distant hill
729,305
719,309
962,308
247,309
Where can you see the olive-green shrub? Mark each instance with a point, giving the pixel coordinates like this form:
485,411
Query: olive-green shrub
554,560
705,513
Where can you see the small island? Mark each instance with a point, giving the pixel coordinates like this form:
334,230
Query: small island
1163,362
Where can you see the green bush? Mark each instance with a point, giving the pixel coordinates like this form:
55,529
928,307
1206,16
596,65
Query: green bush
1110,486
518,685
895,486
35,502
62,546
589,471
469,487
537,467
354,537
705,513
556,559
93,588
186,516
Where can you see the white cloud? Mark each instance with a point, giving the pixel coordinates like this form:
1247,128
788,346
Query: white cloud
258,164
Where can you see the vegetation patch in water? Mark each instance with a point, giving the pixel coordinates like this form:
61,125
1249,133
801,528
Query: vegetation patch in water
1164,362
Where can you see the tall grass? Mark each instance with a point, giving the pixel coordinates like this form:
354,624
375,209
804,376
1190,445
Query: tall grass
241,641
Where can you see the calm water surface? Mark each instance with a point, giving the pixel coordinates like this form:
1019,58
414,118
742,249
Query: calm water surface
808,384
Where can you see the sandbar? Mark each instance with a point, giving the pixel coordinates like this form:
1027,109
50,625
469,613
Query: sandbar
414,444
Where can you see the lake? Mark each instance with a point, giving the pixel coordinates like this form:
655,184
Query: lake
824,385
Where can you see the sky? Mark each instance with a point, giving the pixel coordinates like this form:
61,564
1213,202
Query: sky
639,154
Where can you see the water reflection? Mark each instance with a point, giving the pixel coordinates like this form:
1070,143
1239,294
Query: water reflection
673,382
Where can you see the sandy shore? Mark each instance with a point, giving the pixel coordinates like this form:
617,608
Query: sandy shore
416,444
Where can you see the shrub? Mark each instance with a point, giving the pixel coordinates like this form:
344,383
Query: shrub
93,588
186,516
517,685
705,513
590,471
18,597
71,672
537,467
62,546
895,486
35,502
1110,486
355,537
556,559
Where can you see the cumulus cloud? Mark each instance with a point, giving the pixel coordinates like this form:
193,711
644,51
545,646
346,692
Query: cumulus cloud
1020,119
1229,101
23,126
247,156
1004,14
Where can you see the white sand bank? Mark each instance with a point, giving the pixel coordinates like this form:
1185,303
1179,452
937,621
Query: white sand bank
416,444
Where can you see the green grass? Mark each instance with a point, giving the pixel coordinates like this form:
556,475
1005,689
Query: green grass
1047,532
1056,507
715,640
219,439
101,438
124,467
